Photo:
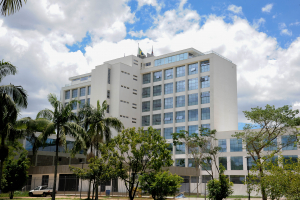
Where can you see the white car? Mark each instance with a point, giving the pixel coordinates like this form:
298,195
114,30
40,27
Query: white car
41,191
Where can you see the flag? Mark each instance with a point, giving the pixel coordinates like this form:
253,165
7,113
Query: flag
141,52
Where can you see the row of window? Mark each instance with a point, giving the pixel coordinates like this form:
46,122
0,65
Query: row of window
180,71
179,87
236,145
82,92
179,101
179,117
82,103
82,78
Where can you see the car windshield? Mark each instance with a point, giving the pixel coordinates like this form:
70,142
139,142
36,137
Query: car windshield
37,188
44,187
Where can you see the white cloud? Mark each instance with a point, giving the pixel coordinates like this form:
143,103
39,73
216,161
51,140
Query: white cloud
267,8
283,30
258,22
235,9
295,24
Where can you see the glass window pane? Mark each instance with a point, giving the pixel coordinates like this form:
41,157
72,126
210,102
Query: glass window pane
156,119
82,92
170,148
168,103
168,74
67,94
146,78
74,106
157,90
89,90
82,102
205,113
237,163
236,145
74,93
169,88
205,97
157,104
157,76
193,84
180,149
191,162
193,68
180,86
146,106
193,99
206,178
272,145
204,66
146,92
146,120
193,129
180,101
205,165
179,128
205,81
237,179
180,71
289,142
180,116
180,162
168,133
193,115
222,144
168,118
223,161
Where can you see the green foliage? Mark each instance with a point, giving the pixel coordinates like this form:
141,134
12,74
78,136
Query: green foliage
134,152
274,123
220,189
160,184
15,173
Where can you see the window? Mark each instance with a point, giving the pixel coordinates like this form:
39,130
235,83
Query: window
193,84
237,163
74,106
206,178
168,133
67,94
206,165
89,90
180,116
148,64
205,81
157,90
108,78
193,129
180,162
193,99
237,179
168,118
146,120
146,92
180,101
168,103
179,128
88,101
169,88
108,94
146,78
168,74
180,86
74,93
205,97
222,144
146,106
193,68
82,92
45,180
107,109
236,145
272,146
157,104
156,119
290,159
180,71
171,59
223,161
250,162
204,66
157,76
193,115
205,113
170,148
191,162
82,102
207,126
289,142
180,149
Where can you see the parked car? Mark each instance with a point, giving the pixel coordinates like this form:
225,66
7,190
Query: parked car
41,191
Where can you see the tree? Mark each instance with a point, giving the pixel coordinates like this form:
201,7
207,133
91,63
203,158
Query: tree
138,152
10,6
262,144
202,149
160,184
60,124
220,189
12,99
15,173
98,128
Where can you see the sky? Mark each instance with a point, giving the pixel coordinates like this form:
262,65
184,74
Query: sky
50,41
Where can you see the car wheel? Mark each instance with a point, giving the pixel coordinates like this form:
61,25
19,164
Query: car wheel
30,194
44,194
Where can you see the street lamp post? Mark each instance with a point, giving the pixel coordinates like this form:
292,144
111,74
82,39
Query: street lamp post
81,180
247,157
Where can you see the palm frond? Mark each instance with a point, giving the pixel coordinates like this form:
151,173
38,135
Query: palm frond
8,109
114,123
10,6
46,114
18,94
6,68
52,98
49,130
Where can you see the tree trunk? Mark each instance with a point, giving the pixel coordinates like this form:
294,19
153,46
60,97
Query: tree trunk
197,171
262,187
89,192
11,194
55,163
2,161
96,195
93,190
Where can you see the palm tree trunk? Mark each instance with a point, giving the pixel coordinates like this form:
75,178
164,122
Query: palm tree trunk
2,161
55,163
89,192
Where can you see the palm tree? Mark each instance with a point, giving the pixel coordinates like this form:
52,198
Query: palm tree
61,125
10,6
12,99
98,126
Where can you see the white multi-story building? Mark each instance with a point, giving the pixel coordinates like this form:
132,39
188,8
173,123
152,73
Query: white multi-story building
182,90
